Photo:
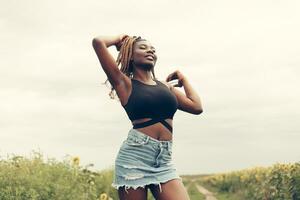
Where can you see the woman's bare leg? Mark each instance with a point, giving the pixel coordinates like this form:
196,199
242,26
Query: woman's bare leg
171,190
132,194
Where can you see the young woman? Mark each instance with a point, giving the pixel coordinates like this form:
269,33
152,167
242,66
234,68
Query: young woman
144,159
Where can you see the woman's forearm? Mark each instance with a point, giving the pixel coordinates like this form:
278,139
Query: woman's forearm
191,93
107,40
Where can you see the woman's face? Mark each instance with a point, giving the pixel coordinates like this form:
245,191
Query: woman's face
144,54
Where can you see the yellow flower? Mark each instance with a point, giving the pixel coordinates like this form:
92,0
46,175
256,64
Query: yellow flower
103,196
257,177
76,160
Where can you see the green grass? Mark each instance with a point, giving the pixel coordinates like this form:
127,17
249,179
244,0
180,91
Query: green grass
197,196
192,190
35,179
279,181
222,195
194,193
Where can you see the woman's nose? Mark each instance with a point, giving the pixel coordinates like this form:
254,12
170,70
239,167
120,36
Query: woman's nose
150,50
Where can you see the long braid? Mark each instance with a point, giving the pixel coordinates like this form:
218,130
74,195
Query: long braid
124,58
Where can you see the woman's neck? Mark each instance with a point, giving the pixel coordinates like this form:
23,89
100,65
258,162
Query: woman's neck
142,75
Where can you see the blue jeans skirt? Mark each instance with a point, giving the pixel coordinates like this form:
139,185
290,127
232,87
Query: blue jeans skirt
143,160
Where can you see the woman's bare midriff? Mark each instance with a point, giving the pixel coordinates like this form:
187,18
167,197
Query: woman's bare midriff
157,130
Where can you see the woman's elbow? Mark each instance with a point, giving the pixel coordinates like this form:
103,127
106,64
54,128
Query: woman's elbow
198,111
96,42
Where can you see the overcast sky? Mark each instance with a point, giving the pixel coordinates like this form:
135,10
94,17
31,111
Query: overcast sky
242,58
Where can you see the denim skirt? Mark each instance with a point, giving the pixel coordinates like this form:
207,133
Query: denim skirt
143,160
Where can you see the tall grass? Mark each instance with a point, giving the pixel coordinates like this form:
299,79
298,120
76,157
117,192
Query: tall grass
278,182
34,179
37,178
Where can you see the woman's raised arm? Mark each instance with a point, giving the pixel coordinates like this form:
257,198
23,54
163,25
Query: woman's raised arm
108,63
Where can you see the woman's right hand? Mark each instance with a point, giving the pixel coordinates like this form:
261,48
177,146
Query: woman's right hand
176,75
120,41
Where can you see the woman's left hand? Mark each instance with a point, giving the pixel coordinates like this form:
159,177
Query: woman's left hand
176,75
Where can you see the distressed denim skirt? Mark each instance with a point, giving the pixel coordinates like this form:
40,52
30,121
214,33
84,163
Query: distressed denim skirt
143,160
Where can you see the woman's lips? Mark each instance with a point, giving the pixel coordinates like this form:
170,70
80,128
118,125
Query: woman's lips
149,57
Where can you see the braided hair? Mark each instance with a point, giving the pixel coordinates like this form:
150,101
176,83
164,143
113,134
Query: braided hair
125,59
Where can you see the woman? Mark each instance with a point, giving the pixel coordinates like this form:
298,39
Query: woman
144,159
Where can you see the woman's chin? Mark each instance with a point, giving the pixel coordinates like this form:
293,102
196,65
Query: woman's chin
147,65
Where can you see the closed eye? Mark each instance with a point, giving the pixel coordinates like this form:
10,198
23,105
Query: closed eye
143,47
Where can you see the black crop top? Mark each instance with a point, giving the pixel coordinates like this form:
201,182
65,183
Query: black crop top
150,101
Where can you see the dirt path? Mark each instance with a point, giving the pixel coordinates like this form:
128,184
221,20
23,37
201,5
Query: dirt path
208,195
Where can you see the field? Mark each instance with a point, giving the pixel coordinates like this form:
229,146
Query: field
277,182
35,178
